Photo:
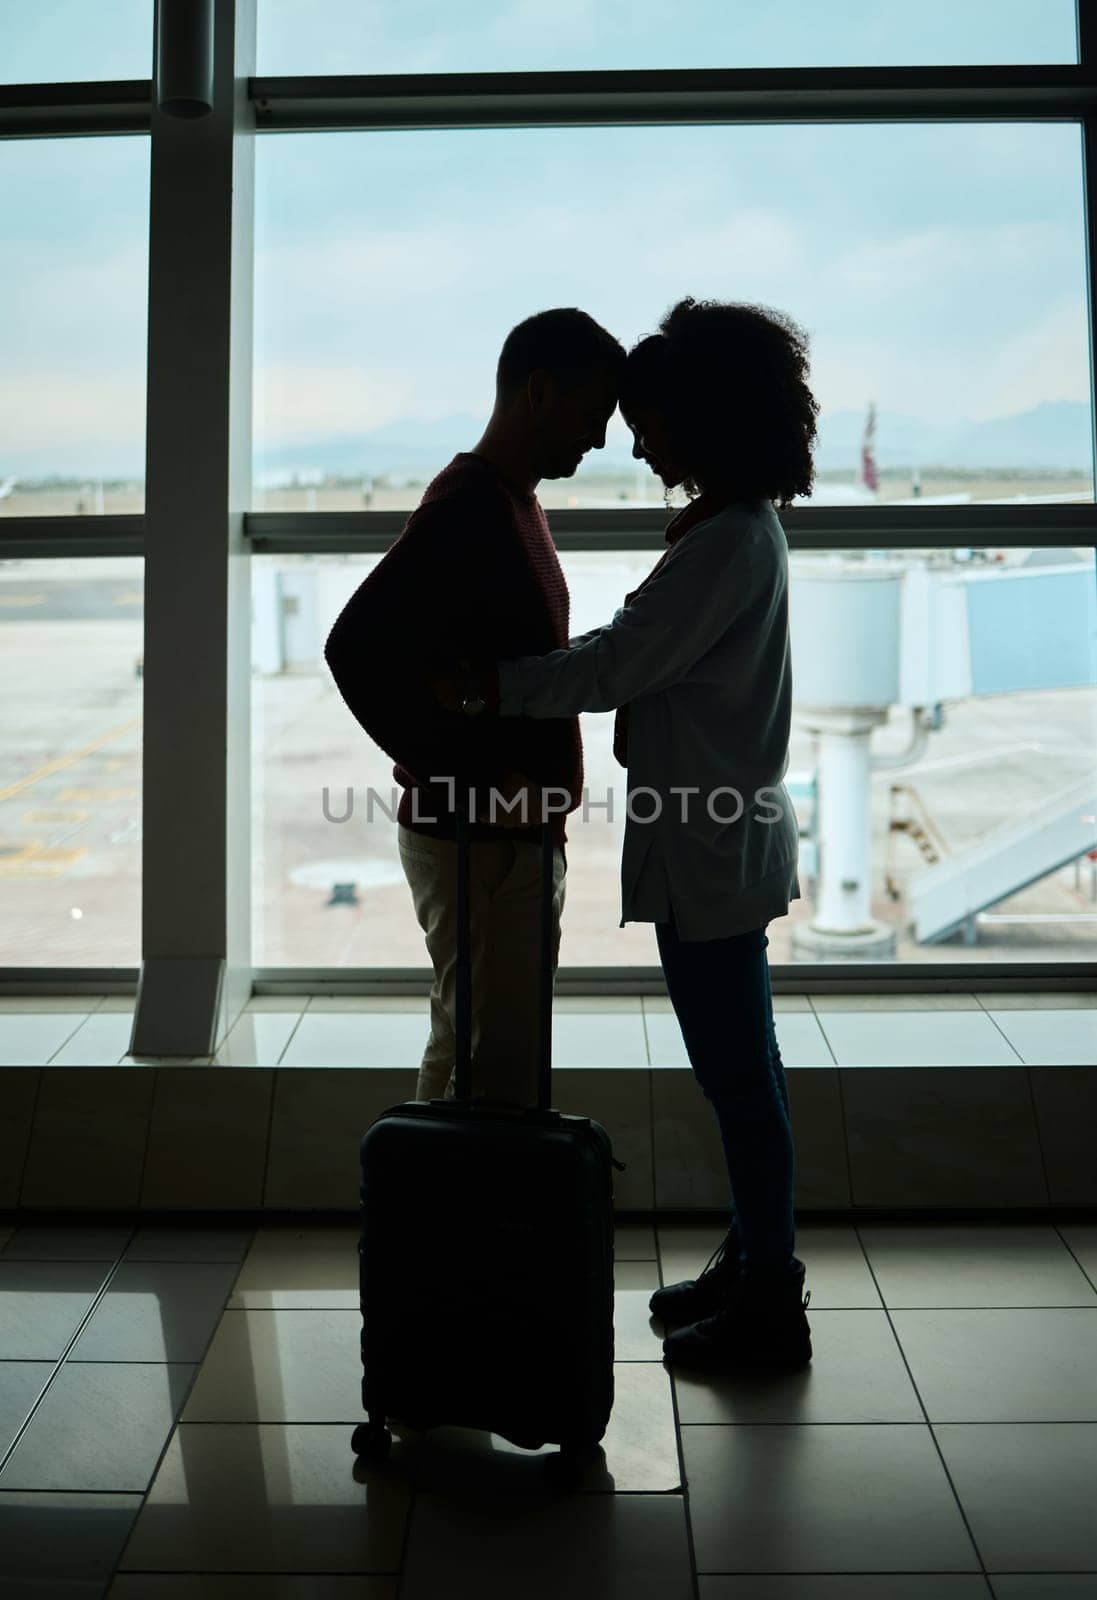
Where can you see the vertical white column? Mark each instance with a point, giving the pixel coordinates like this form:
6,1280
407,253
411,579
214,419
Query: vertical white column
196,947
845,761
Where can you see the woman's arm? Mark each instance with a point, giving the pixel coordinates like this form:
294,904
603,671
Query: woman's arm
709,580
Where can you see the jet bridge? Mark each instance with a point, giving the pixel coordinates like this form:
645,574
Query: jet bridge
872,633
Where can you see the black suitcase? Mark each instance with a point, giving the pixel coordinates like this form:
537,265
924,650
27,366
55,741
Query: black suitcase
486,1254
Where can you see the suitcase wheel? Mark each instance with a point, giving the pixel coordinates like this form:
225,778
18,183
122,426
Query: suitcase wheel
371,1441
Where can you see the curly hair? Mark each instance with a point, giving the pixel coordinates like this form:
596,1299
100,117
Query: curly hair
731,384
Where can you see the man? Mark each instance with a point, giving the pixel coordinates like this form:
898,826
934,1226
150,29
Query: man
474,577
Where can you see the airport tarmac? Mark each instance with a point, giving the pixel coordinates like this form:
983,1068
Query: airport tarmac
70,782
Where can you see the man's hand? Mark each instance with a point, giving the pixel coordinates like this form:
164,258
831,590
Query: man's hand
516,786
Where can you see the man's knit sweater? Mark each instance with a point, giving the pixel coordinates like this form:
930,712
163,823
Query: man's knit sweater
474,576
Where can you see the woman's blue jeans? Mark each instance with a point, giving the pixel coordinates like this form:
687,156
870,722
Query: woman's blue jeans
721,994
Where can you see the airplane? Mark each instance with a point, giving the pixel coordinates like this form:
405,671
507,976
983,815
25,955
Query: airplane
6,486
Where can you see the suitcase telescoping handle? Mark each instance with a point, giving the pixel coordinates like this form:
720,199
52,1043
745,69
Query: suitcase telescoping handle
463,1019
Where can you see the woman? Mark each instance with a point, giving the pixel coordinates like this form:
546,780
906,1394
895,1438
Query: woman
698,662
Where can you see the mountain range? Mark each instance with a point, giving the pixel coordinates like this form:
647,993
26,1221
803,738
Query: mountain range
1055,435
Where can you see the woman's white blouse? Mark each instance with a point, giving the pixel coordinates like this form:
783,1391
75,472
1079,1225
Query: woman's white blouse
702,659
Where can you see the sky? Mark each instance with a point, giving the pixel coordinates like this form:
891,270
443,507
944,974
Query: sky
939,270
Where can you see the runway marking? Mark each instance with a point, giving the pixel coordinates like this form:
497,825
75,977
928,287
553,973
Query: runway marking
968,759
68,761
32,861
54,816
21,599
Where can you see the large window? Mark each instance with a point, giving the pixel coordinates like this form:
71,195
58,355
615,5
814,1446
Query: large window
936,255
940,271
537,35
73,292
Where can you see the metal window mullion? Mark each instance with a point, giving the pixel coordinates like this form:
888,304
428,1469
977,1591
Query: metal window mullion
74,110
808,528
479,100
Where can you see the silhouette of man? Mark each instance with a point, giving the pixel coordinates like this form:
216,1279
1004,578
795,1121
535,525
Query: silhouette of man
474,577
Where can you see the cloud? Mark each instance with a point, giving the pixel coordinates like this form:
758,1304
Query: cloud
64,421
297,402
1048,361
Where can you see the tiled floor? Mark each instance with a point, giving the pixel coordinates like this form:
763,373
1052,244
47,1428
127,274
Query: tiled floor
815,1031
176,1408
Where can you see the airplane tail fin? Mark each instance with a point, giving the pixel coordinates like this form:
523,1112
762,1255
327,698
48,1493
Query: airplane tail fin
870,475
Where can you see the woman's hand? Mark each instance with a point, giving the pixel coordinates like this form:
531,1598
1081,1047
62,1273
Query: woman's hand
452,688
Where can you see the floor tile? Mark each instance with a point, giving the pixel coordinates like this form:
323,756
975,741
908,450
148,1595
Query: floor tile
1081,1241
590,1004
1044,1586
620,1099
1066,1114
317,1125
118,1002
596,1038
21,1382
819,1131
843,1498
190,1244
258,1039
71,1243
837,1273
636,1275
1037,1000
281,1366
1027,1491
268,1498
218,1586
690,1168
87,1145
52,1589
207,1143
846,1586
18,1093
935,1265
942,1136
639,1451
16,1004
1050,1038
803,1042
612,1546
358,1039
348,1004
656,1005
799,1035
157,1311
31,1038
634,1241
1023,1365
300,1267
637,1335
100,1041
282,1002
666,1047
826,1004
99,1427
915,1039
42,1303
857,1375
55,1536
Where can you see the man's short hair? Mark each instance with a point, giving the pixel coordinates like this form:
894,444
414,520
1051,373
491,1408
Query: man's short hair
566,342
